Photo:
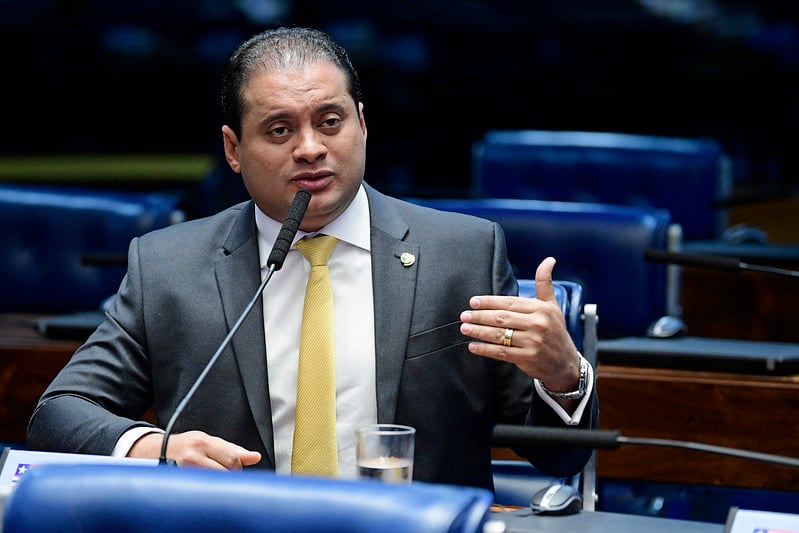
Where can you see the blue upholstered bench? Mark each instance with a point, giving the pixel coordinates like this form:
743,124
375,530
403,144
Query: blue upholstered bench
49,233
686,176
600,247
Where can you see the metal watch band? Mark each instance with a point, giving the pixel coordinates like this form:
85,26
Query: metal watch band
582,385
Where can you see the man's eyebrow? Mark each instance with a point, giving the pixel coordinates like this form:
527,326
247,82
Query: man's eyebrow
272,117
332,106
285,115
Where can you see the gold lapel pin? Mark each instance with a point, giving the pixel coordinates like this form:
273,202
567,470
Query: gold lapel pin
407,259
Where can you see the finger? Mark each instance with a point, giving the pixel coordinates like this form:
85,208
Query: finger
250,458
225,460
543,280
197,458
495,311
492,351
197,448
490,302
232,456
490,334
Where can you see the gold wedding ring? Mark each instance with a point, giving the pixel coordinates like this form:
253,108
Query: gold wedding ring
508,337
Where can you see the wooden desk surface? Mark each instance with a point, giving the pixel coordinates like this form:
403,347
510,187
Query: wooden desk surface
757,413
751,412
28,363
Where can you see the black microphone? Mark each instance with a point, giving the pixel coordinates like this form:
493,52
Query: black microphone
507,435
286,235
276,258
715,262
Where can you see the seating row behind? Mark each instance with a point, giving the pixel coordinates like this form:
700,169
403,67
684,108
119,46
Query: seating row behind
601,247
687,176
50,233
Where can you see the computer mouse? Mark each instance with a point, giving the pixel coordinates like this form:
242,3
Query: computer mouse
744,234
558,499
667,326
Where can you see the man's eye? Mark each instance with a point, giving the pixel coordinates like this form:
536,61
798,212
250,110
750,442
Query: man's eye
279,131
331,122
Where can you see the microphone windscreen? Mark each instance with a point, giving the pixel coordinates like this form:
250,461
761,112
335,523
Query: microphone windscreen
508,435
289,229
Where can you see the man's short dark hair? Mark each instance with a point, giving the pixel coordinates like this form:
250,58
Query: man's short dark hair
280,49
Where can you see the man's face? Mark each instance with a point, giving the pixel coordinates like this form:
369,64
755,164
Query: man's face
299,130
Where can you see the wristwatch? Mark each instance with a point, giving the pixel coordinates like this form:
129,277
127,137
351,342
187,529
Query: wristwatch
582,385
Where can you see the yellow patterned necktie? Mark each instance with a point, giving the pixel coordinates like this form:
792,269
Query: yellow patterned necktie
314,451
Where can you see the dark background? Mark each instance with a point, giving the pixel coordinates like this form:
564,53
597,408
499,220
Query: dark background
90,76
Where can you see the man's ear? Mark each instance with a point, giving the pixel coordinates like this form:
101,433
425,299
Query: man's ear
231,144
362,119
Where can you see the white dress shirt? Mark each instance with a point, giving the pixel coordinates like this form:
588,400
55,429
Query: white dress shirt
351,276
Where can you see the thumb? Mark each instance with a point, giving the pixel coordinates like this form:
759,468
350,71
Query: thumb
543,280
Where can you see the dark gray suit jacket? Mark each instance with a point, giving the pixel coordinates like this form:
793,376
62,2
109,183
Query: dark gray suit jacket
187,284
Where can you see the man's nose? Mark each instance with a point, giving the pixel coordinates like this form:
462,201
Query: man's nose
310,146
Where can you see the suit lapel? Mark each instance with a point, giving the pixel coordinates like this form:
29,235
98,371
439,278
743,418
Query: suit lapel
237,273
394,287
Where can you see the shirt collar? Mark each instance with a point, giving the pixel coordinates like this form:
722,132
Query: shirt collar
351,226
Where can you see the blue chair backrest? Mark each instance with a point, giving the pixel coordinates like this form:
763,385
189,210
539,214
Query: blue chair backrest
682,175
47,232
99,498
600,247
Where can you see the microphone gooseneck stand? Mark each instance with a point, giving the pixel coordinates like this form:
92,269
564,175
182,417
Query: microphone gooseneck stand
274,263
714,262
509,435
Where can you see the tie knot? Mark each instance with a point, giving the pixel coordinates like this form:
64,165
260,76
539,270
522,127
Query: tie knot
317,249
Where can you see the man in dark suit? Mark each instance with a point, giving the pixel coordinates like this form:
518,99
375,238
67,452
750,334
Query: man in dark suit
427,332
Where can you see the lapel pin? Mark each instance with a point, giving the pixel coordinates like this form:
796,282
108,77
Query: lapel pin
407,259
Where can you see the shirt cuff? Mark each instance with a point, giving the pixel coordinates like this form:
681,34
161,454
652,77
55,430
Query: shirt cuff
129,438
574,418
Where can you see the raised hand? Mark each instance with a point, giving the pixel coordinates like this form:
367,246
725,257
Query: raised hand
528,332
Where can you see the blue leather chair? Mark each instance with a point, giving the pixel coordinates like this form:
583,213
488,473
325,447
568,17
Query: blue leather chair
682,175
49,230
101,498
515,482
600,247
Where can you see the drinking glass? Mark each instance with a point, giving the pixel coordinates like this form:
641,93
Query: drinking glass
384,452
